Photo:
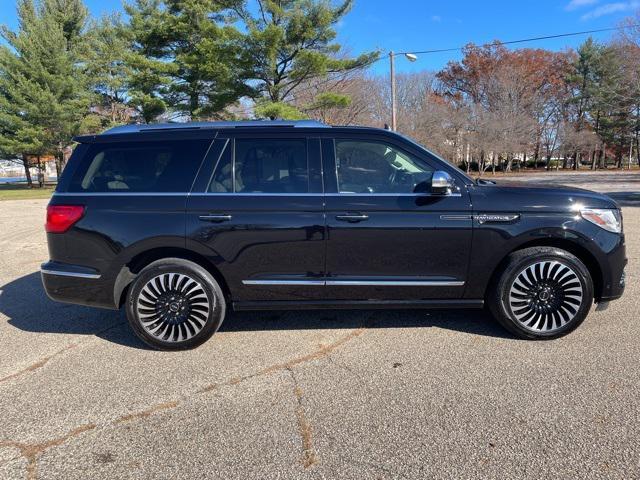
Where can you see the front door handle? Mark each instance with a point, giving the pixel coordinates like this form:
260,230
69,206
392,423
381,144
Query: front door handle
352,218
216,218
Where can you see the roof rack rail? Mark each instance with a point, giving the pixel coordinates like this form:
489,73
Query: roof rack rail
214,125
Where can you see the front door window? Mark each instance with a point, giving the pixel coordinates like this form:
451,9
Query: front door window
370,167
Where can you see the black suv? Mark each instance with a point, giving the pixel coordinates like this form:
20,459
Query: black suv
180,222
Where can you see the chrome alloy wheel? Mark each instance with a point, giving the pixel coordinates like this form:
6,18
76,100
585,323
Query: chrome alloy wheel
545,296
173,307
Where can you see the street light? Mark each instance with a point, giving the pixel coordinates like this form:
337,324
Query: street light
412,58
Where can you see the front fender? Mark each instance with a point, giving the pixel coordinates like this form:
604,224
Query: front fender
493,242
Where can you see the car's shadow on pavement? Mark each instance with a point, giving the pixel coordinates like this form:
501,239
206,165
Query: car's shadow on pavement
26,306
476,322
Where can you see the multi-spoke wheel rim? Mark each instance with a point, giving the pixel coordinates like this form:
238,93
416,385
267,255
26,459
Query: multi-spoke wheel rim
545,296
173,307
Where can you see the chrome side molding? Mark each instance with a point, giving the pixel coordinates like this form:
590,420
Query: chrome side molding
62,273
284,282
456,217
368,283
396,283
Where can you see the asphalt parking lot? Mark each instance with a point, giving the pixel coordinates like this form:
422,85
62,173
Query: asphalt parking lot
363,395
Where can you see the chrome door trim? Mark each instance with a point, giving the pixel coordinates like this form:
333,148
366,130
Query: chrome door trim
254,194
349,194
355,218
215,218
384,283
396,283
319,194
284,282
455,217
120,194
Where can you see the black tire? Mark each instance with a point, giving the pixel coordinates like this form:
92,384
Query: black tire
175,304
541,293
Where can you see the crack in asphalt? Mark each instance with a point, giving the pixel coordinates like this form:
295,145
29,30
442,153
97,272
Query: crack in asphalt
322,352
39,364
309,455
148,412
30,451
42,362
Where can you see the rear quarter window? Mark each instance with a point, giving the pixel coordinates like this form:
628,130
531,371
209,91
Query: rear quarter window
131,167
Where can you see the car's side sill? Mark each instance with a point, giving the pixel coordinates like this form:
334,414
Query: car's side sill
355,304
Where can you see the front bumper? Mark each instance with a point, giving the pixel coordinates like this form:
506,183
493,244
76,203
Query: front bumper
613,272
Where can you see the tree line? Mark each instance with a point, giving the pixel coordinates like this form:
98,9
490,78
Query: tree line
64,73
501,109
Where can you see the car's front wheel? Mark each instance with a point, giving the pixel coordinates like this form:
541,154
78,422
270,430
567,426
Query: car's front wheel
175,304
542,293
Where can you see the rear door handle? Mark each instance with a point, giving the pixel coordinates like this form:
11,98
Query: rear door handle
216,218
352,218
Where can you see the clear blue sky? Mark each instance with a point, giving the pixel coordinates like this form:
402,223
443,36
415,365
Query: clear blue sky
404,25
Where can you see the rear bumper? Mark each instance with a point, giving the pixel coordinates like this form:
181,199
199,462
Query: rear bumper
76,284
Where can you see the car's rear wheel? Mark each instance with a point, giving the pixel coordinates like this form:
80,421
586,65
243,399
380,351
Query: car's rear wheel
542,293
175,304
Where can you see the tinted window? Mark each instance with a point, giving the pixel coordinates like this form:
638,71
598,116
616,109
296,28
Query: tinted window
271,166
375,167
140,167
222,181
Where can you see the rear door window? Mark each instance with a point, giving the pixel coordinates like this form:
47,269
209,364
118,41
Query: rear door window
262,165
131,167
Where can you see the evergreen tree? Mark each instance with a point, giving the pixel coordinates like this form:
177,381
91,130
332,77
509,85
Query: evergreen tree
43,90
106,48
613,103
209,73
603,99
583,79
289,42
70,15
187,59
149,74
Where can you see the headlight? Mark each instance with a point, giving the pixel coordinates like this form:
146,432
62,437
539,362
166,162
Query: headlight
606,218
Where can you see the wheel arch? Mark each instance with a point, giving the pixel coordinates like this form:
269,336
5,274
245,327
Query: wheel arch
583,254
138,262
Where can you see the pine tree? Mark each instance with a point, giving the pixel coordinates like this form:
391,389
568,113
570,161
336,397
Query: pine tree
209,73
187,59
43,89
149,74
70,15
105,50
289,42
583,79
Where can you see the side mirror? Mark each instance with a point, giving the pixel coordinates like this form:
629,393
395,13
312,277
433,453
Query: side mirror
441,183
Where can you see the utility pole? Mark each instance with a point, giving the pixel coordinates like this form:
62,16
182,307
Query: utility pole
392,61
394,120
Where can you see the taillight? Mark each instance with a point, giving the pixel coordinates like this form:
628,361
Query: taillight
60,218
